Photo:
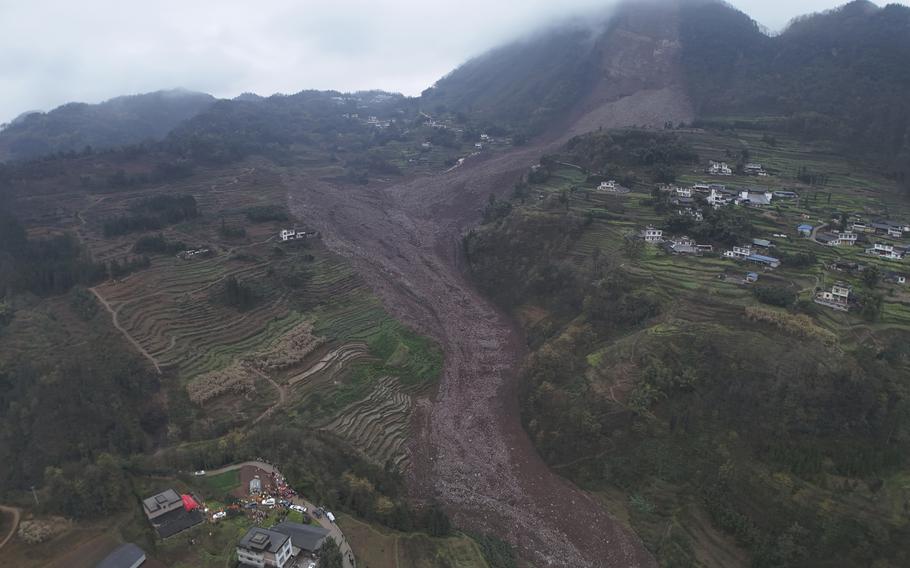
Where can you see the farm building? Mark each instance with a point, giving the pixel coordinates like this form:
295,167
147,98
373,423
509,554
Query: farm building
745,253
828,239
762,243
751,277
805,230
783,194
126,555
264,547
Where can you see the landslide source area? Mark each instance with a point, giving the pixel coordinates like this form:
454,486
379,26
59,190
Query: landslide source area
468,448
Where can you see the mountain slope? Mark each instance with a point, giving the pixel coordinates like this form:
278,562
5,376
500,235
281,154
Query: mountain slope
117,122
842,75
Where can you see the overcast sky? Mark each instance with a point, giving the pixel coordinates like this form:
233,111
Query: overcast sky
55,51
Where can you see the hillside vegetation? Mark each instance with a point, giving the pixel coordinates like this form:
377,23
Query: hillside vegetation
735,70
114,123
730,430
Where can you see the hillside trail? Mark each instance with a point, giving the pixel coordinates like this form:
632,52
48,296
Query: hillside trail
15,524
124,332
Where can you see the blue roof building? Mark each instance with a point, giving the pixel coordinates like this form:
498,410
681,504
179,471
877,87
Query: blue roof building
805,229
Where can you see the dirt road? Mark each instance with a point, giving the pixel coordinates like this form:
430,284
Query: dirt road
471,451
14,512
115,320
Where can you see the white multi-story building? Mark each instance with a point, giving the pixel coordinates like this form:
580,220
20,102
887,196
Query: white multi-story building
837,298
719,169
262,547
652,235
684,192
886,251
607,185
718,198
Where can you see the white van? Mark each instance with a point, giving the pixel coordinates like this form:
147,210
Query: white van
330,516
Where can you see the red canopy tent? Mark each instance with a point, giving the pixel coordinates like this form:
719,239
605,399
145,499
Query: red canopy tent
189,503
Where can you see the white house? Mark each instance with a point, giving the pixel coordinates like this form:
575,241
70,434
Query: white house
607,185
837,298
739,252
262,547
684,192
719,169
293,235
755,170
845,238
718,198
652,235
886,251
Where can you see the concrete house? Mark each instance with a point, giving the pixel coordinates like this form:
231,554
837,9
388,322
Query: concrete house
886,251
263,547
684,192
838,298
162,504
719,169
755,170
805,230
652,235
755,198
720,197
610,185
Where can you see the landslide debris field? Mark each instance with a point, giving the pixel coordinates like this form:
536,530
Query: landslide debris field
470,450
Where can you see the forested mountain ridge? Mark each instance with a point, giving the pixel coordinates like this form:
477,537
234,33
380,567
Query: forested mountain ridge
841,74
117,122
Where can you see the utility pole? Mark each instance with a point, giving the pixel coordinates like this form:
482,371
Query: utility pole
35,495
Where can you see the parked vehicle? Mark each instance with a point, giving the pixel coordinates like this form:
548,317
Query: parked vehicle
330,516
199,473
298,508
270,502
219,515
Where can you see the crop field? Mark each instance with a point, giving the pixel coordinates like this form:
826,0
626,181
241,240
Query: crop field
308,343
382,548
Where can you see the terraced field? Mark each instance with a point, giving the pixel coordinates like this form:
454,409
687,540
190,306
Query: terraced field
378,424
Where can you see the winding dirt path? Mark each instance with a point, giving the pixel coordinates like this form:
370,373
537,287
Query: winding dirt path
12,531
124,332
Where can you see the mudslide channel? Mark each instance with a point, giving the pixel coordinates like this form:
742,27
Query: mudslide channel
469,449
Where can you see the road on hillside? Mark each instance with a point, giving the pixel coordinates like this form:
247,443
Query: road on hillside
334,531
13,526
